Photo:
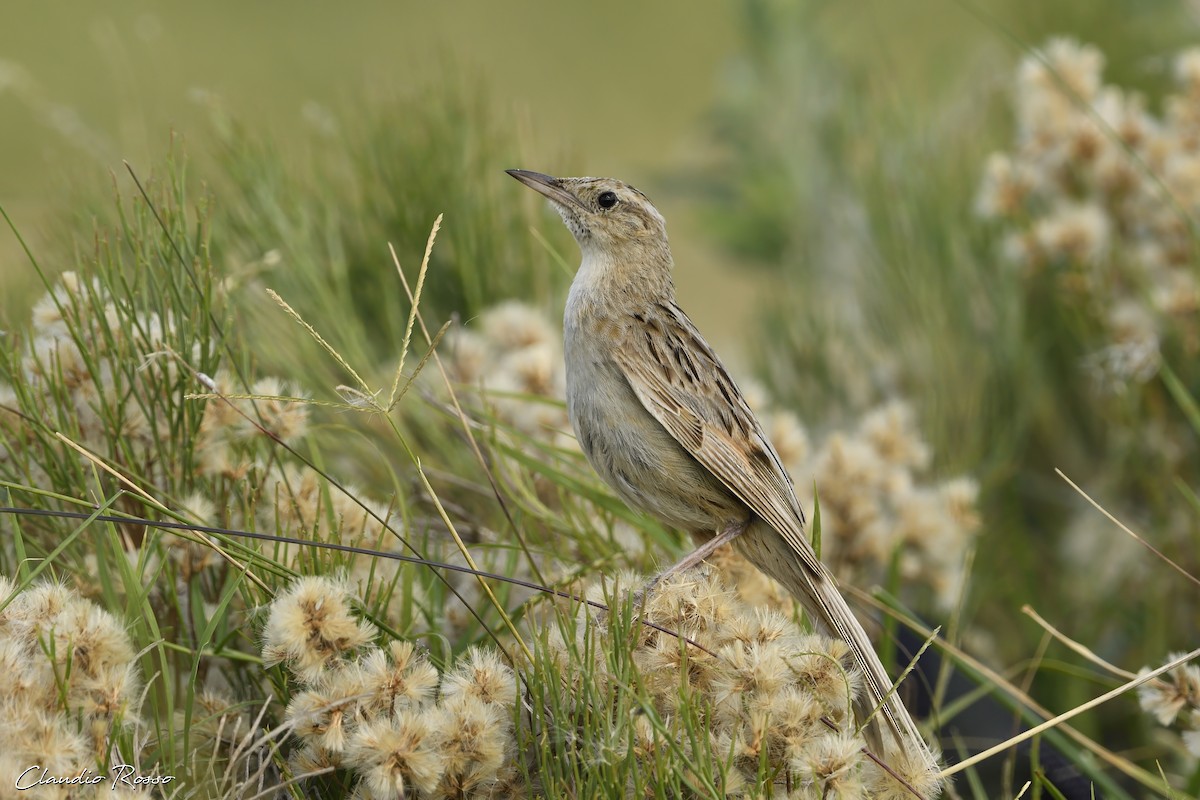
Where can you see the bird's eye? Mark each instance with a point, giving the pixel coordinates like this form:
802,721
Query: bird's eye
607,199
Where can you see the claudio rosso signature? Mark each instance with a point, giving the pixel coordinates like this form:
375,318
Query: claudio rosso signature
119,774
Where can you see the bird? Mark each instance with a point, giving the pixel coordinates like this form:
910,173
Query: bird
662,423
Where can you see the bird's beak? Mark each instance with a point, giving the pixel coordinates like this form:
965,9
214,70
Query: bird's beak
549,186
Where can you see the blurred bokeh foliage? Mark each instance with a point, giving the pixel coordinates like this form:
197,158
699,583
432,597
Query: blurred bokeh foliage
380,172
864,193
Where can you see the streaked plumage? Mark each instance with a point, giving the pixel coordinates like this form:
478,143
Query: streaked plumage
662,422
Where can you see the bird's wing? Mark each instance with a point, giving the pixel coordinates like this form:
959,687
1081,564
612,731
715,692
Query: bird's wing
682,383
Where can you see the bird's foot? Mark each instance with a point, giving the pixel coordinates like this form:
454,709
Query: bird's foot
693,559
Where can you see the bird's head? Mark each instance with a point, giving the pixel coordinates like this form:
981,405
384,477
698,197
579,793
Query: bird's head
604,214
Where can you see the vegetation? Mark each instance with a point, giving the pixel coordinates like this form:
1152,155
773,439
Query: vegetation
440,597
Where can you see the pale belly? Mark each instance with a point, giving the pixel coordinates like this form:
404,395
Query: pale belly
636,456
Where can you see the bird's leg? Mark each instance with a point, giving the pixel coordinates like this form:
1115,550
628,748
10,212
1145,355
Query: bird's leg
727,534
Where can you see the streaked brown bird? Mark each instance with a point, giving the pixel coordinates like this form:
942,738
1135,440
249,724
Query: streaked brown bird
661,421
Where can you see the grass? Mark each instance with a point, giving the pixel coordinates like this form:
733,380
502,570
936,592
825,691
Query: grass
200,602
238,351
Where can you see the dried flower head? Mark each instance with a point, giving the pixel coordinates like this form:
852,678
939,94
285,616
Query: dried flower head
326,716
68,675
311,629
770,692
396,755
1050,84
467,355
1007,185
481,675
474,739
397,677
890,430
513,325
277,412
830,766
1168,696
1073,233
1191,740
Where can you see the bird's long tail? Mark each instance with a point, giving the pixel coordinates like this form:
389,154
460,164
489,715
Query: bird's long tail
888,728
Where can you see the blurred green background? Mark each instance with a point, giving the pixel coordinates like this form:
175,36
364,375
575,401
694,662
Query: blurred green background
618,88
621,88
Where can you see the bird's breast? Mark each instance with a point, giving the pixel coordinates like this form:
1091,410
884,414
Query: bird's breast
627,447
